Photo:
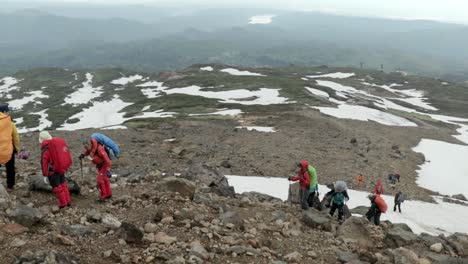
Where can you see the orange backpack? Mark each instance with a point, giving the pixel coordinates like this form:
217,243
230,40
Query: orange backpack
381,204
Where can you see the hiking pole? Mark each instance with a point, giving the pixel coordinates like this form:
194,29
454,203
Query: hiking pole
81,168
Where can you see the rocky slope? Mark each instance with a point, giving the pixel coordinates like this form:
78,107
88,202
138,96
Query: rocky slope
165,219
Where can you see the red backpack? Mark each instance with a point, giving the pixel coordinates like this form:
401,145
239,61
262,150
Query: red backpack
59,155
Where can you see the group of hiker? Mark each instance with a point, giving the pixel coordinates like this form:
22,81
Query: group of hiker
56,158
337,197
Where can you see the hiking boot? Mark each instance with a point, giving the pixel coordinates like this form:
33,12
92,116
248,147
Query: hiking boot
9,190
341,221
68,205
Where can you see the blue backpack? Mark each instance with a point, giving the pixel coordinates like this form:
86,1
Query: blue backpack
110,146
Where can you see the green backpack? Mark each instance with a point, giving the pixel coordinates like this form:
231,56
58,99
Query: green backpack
338,198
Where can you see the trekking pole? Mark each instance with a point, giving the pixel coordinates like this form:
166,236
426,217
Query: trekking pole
81,168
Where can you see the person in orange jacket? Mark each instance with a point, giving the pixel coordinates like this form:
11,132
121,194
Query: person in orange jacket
9,145
360,180
99,157
304,181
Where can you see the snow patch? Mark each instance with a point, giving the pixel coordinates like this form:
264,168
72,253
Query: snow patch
335,75
261,19
357,112
19,103
207,68
154,89
263,96
127,80
43,122
114,127
445,169
8,85
432,218
231,112
19,120
318,92
240,73
259,128
85,93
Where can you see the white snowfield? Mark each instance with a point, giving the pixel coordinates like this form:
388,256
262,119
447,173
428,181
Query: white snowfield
152,89
43,122
258,128
240,73
261,19
224,112
34,95
335,75
432,218
357,112
263,96
127,80
445,169
7,84
207,68
85,93
362,113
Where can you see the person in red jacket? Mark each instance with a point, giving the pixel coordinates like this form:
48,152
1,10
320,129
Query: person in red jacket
99,157
56,180
379,189
304,181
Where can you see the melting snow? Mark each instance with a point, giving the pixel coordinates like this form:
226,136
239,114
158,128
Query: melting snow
19,120
155,114
223,112
207,68
7,86
362,113
114,127
154,89
127,80
146,108
100,114
261,19
19,103
336,75
445,169
263,96
85,93
318,92
259,128
43,122
240,73
420,216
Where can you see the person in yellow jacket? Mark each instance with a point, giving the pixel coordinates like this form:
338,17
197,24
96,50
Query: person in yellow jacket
9,145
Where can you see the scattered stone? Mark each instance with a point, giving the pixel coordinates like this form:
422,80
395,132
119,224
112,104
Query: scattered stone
111,221
437,247
167,220
293,257
63,240
231,217
94,216
316,219
345,257
198,250
405,256
459,241
17,243
150,228
163,238
176,260
356,229
107,253
15,229
77,230
25,215
184,187
130,233
47,257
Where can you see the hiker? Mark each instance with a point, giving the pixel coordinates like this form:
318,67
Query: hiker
378,206
338,198
55,160
304,181
399,198
360,180
313,185
392,180
9,145
379,189
99,157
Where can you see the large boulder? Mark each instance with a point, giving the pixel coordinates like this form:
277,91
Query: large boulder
317,219
356,229
459,197
400,235
404,256
36,183
25,215
184,187
459,241
360,210
261,197
293,193
130,233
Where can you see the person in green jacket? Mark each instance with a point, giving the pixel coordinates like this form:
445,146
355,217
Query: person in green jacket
313,185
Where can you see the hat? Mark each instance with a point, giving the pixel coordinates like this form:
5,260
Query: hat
44,135
4,108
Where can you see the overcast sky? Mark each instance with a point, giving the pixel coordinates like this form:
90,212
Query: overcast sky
441,10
